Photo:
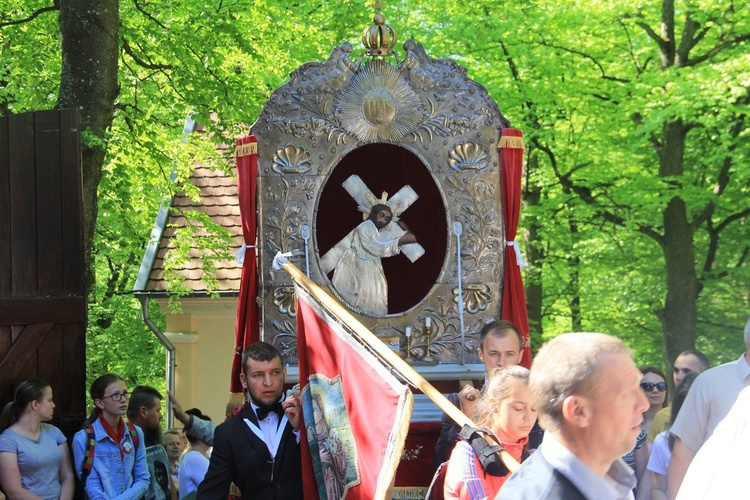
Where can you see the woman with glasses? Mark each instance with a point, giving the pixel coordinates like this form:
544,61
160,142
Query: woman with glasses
654,384
109,454
34,456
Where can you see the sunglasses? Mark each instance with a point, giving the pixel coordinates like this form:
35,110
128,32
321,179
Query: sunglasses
650,386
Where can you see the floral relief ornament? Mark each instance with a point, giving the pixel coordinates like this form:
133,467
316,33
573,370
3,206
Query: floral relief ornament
285,301
291,160
467,156
476,297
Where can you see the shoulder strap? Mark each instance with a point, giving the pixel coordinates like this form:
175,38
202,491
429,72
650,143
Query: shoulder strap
133,436
88,455
488,454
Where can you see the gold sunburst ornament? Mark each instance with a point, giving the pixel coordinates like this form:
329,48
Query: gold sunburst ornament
378,103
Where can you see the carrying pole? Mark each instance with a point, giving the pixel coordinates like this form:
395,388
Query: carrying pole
393,359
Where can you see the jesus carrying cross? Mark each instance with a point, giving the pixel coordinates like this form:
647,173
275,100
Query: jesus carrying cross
358,272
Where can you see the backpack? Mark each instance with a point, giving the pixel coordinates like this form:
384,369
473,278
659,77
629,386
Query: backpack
88,457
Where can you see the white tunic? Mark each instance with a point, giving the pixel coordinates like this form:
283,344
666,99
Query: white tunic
359,277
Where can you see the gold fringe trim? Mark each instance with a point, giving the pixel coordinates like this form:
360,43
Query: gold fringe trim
511,142
395,447
236,398
251,148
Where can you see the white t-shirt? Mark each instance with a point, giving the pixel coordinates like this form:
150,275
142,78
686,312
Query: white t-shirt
660,454
192,471
719,469
709,400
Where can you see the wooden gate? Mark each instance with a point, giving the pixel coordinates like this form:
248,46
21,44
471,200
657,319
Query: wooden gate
42,290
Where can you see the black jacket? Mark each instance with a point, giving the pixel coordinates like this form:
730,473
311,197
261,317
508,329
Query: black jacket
239,456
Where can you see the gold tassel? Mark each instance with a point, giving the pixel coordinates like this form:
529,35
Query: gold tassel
511,142
251,148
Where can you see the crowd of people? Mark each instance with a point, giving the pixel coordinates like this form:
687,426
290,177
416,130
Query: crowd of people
610,430
112,457
583,423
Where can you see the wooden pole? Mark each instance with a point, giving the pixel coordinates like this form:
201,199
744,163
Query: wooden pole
393,359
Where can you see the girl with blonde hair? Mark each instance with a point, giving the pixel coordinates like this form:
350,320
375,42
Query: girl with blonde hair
507,410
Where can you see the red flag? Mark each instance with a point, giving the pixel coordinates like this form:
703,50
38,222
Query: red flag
356,413
514,296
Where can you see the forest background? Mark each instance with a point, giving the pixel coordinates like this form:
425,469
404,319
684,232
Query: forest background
636,193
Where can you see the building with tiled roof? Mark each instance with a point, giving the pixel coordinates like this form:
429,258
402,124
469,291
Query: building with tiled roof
218,200
200,337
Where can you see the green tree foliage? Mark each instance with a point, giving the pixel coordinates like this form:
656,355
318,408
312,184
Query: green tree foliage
639,138
634,115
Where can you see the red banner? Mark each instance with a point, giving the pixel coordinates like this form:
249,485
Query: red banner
356,412
246,330
514,296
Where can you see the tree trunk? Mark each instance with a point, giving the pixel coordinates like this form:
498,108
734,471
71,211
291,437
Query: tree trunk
90,46
679,316
574,287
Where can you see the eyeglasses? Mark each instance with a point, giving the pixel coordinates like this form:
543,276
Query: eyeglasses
650,386
119,396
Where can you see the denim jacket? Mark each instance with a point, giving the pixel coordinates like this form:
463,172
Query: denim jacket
111,477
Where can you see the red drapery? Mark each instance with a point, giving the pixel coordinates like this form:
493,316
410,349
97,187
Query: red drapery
514,297
246,329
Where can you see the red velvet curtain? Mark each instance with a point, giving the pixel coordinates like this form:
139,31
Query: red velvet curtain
246,329
514,297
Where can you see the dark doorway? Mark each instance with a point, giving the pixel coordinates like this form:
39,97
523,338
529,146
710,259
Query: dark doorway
385,167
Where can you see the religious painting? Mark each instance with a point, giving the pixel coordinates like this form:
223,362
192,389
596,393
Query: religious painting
370,266
332,446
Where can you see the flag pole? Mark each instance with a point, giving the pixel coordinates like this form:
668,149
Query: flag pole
401,366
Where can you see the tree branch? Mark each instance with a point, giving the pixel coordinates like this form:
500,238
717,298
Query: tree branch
586,56
585,195
32,16
722,178
147,65
704,216
739,264
713,235
663,48
731,218
712,52
208,69
688,40
640,69
149,16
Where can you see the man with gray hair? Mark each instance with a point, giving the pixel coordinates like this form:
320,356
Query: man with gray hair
586,390
711,397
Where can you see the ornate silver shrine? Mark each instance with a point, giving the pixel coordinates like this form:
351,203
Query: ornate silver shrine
417,122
